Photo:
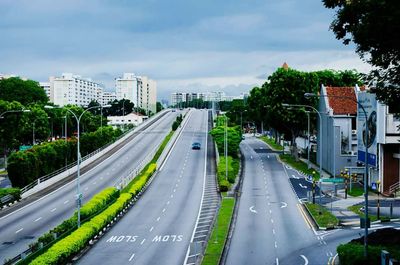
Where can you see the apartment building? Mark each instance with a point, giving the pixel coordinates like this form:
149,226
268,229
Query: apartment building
140,90
107,97
73,89
46,88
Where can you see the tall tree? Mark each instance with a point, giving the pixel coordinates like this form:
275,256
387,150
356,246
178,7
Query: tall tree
25,92
374,26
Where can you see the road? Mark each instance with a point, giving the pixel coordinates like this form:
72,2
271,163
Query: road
24,225
159,228
270,225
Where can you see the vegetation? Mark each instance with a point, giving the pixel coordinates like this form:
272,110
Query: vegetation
25,167
177,122
355,190
220,232
62,251
25,92
372,26
299,165
15,192
387,239
357,210
322,216
271,142
234,136
233,169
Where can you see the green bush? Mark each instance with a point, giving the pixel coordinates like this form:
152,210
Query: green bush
15,192
224,185
234,138
353,253
62,251
138,183
94,206
233,169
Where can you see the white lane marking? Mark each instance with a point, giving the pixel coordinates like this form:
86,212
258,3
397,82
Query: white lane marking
19,230
168,202
174,190
176,185
284,205
273,231
272,220
141,243
304,187
94,182
172,195
294,176
251,157
330,253
38,219
53,209
179,180
67,201
305,259
131,258
277,261
252,209
276,245
163,210
270,211
151,229
158,219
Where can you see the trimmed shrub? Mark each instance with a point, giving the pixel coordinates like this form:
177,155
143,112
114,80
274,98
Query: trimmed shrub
224,185
139,182
15,192
62,251
94,206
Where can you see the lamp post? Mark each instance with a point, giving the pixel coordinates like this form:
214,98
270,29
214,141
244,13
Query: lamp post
226,147
78,184
378,210
320,139
241,119
309,95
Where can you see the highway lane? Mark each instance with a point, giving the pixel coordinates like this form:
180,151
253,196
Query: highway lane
23,226
270,225
158,229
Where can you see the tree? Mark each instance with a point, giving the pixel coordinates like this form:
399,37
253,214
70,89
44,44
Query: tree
25,92
118,106
374,26
159,107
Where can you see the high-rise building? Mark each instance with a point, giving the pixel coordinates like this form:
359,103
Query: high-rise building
73,89
107,97
46,86
140,90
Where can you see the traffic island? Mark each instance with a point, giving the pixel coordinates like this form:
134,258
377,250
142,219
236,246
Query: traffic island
322,218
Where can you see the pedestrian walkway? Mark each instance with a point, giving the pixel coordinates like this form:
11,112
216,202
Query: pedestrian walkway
339,209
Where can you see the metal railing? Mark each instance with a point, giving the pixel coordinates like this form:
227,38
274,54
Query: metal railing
73,164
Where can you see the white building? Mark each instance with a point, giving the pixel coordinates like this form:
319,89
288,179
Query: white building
107,97
140,90
73,89
132,118
46,87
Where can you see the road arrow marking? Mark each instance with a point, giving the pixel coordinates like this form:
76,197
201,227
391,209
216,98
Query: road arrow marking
284,205
304,187
252,210
294,176
305,259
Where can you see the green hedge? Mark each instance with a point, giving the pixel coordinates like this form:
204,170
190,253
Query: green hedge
353,253
63,250
15,192
138,183
27,166
92,207
233,169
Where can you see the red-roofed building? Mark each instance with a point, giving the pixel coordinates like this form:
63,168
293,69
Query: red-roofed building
339,128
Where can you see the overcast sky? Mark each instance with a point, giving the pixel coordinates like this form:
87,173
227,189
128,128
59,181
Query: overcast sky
229,45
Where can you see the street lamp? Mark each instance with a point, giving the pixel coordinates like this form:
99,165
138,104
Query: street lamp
320,139
13,111
241,120
78,185
309,95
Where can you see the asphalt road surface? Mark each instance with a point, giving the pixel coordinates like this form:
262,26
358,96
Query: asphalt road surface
159,228
270,225
25,225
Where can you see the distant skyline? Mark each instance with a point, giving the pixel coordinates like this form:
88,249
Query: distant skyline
184,45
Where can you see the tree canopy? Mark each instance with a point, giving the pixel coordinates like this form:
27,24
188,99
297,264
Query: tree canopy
373,26
25,92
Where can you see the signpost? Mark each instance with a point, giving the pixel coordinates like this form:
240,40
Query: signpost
25,147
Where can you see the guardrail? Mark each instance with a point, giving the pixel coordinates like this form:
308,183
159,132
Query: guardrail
71,165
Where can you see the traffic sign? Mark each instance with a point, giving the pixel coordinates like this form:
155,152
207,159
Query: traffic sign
24,147
374,186
334,180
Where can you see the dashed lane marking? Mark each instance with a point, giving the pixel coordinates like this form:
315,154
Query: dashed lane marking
158,219
53,209
67,201
163,210
38,219
141,243
19,230
151,229
131,258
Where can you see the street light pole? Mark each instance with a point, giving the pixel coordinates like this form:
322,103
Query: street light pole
78,163
307,95
308,140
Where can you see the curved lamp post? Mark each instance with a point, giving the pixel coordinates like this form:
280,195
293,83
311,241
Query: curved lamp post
78,154
309,95
13,111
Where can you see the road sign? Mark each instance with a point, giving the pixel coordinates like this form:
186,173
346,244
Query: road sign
334,180
24,147
374,186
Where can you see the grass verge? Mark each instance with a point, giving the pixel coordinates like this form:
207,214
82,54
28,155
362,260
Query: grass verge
299,165
220,232
272,143
356,209
322,216
356,191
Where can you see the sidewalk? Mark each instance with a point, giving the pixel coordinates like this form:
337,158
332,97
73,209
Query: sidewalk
316,168
339,209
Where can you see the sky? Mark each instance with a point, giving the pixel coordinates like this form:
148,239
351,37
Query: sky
185,45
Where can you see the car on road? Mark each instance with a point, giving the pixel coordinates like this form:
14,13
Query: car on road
196,146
